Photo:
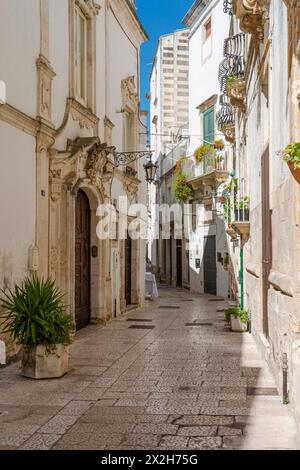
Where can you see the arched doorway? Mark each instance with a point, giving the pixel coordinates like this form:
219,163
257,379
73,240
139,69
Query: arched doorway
82,261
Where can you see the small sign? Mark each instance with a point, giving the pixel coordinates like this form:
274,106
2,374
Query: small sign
94,251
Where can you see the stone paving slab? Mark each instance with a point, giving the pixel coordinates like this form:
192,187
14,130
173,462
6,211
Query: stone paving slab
174,387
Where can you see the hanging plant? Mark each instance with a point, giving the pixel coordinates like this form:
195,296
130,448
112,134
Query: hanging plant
180,163
205,151
219,145
229,82
182,190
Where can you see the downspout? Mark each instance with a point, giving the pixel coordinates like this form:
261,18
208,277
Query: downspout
242,275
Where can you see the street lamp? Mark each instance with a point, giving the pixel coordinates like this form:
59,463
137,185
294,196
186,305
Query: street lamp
125,158
150,169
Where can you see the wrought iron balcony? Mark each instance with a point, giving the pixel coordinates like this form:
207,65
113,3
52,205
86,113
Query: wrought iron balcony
231,71
226,119
236,210
228,7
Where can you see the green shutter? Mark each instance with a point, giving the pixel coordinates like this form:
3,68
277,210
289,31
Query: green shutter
209,125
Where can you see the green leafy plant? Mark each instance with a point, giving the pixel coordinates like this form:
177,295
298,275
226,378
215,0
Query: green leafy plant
292,154
180,163
205,151
226,260
243,203
227,210
229,82
182,190
34,314
237,312
219,144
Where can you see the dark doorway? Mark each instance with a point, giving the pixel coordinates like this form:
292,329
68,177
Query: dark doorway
179,263
128,266
266,237
82,261
210,266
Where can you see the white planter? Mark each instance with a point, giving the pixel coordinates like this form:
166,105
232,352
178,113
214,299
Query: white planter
42,364
237,326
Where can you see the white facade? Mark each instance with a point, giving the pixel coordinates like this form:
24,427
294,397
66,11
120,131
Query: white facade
208,29
43,118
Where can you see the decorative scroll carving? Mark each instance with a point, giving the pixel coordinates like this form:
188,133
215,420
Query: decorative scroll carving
87,161
131,186
130,99
252,15
238,93
45,77
81,114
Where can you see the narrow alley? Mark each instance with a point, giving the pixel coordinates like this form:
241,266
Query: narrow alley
170,376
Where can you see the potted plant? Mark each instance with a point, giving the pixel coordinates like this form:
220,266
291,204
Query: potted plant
242,210
291,155
238,319
226,261
229,82
219,162
182,190
204,151
219,145
35,316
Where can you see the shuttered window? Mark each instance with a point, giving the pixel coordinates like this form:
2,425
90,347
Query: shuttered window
209,125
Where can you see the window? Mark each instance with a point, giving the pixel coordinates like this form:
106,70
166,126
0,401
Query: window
209,125
207,29
80,56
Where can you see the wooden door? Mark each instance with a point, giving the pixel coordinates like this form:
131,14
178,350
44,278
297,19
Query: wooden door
128,267
82,261
266,237
210,265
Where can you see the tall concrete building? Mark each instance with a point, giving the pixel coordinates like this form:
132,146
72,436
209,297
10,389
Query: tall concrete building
169,114
169,89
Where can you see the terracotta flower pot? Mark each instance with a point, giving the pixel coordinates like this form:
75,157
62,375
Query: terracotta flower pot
295,171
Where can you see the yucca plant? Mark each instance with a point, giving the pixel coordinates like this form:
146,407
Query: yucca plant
34,314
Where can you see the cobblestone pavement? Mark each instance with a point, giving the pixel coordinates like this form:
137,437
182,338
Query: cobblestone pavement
183,381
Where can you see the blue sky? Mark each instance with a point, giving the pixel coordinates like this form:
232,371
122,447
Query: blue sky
158,17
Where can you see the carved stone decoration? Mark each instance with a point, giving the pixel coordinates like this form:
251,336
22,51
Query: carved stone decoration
54,257
108,127
131,186
252,15
85,161
229,132
79,113
45,77
130,99
55,184
238,93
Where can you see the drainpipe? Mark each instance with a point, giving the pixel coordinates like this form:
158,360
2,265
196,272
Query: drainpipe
242,275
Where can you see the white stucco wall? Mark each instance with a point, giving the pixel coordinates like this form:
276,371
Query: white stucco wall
17,202
59,56
123,64
19,52
203,73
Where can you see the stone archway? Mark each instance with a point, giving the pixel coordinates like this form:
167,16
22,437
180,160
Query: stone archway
84,169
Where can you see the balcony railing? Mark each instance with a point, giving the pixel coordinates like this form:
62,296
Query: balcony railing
228,6
236,204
